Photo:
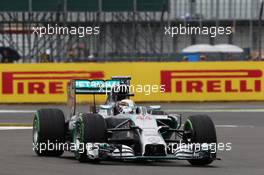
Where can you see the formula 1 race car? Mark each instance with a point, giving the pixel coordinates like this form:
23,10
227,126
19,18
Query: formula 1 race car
121,130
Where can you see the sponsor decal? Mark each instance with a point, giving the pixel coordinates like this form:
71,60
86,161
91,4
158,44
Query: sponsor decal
211,81
172,81
42,82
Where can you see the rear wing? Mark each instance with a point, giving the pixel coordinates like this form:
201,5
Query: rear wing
93,87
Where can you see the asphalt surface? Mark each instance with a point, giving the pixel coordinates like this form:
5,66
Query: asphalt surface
243,128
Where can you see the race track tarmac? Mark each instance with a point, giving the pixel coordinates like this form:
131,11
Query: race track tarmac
242,124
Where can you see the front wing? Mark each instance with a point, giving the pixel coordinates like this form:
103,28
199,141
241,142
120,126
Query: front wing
123,152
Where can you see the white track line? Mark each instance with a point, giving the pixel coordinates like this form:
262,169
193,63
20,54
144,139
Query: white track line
234,126
168,110
17,111
4,128
215,110
15,127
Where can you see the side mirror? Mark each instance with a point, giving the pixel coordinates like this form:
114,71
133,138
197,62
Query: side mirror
138,111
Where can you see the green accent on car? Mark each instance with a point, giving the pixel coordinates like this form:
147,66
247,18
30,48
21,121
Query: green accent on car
188,124
36,122
36,128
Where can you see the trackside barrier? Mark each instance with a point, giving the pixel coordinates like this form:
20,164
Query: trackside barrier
152,81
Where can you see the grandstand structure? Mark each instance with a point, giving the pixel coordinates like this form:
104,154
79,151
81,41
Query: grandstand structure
128,28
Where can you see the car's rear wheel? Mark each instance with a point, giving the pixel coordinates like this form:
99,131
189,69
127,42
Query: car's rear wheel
49,132
90,128
200,129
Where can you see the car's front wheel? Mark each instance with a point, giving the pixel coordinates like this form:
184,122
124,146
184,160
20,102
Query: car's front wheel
49,132
200,129
89,128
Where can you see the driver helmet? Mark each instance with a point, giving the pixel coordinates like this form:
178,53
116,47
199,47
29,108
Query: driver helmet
125,106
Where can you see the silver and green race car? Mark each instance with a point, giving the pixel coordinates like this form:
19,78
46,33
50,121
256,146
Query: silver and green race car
121,130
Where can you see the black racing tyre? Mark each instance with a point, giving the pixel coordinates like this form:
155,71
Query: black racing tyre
49,132
90,128
200,129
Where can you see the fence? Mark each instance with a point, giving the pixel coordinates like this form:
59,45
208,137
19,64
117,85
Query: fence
128,28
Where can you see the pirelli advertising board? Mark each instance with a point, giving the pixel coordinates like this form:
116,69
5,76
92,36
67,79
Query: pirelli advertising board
203,81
